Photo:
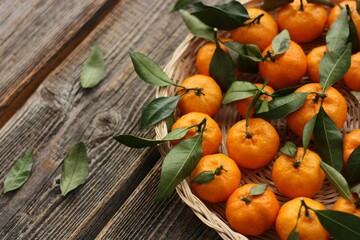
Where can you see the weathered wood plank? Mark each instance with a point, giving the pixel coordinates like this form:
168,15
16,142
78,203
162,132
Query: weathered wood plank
142,218
60,113
35,36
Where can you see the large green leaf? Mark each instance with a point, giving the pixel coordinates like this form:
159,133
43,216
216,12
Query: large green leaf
334,65
340,225
245,56
19,172
353,167
181,4
280,107
338,33
337,180
308,131
149,71
284,91
157,110
75,169
239,90
281,43
178,164
225,17
353,37
197,27
328,140
94,68
269,5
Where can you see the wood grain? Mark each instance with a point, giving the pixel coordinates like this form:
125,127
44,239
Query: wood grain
60,113
35,36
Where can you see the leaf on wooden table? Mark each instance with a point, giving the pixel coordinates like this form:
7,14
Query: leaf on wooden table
328,140
181,4
269,5
19,172
197,27
338,34
94,69
337,180
353,167
149,71
289,149
157,110
258,189
75,169
178,164
239,90
281,43
340,225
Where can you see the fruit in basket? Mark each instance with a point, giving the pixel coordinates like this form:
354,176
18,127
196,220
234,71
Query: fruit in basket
242,105
313,60
207,100
298,176
345,205
251,215
304,21
351,141
260,29
254,146
215,178
308,227
205,54
334,105
352,77
286,69
212,135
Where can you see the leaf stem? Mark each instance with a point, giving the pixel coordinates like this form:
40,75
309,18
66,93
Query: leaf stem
198,91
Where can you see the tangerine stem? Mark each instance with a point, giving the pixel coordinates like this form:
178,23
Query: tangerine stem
247,200
250,107
198,91
301,6
219,169
255,20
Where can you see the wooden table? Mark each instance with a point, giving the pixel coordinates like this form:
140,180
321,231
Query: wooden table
43,44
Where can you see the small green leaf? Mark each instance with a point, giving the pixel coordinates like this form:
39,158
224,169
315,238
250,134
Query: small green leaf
197,27
334,65
262,106
178,164
340,225
308,131
239,90
75,169
19,172
227,16
157,110
245,56
204,177
280,107
353,167
269,5
356,189
328,140
289,149
337,180
181,4
322,2
294,235
281,43
149,71
258,189
338,33
94,68
222,68
353,37
284,91
138,142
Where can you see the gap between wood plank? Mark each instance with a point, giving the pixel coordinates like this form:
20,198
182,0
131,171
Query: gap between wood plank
38,77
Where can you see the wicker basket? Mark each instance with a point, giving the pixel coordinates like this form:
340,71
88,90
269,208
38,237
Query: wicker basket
182,65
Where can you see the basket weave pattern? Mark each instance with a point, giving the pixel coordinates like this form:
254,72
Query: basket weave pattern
181,66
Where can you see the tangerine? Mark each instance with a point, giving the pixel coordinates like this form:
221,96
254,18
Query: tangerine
345,205
313,60
351,141
352,77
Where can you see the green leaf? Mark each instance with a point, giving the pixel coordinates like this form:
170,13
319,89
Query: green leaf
75,169
222,68
284,91
334,65
181,4
353,167
149,71
258,189
353,37
94,68
19,172
280,107
239,90
170,120
322,2
269,5
178,164
197,27
157,110
227,16
262,106
340,225
338,33
337,180
356,189
281,43
138,142
308,131
245,56
294,235
358,6
289,149
204,177
328,140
